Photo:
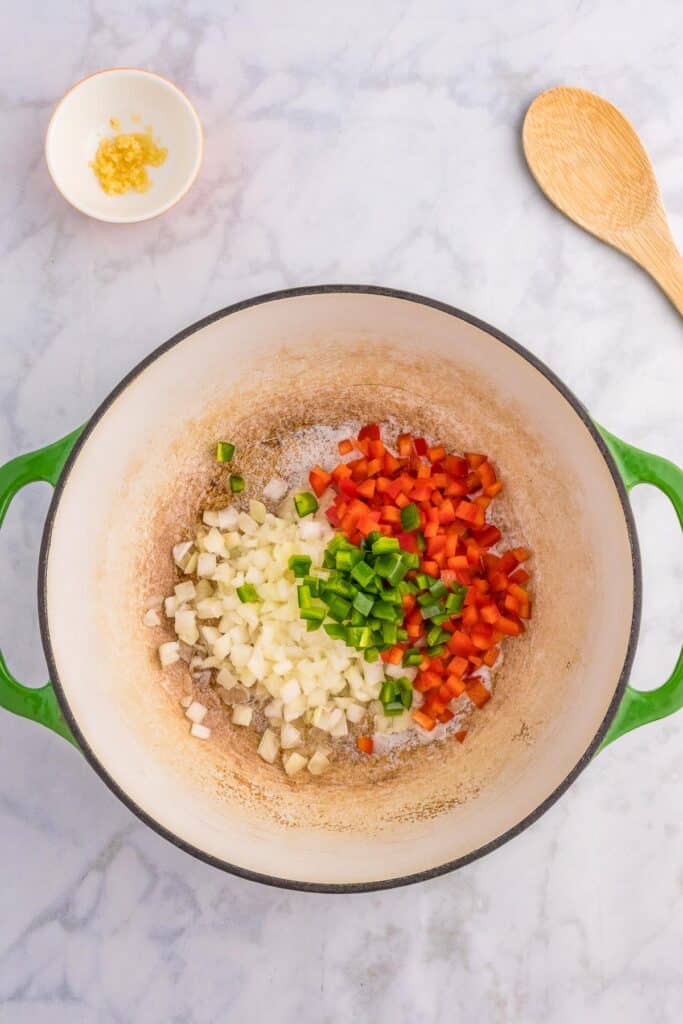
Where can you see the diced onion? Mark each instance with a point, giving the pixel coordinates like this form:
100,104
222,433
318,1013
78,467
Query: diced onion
355,713
242,714
196,712
269,746
310,529
151,618
318,763
206,564
294,762
227,518
257,511
185,591
200,732
289,736
275,489
290,690
169,653
180,551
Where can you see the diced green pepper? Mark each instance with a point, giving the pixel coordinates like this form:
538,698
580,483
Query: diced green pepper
371,654
362,573
339,608
305,503
359,637
338,543
413,656
436,635
341,586
387,612
407,586
411,559
335,630
423,581
405,691
363,603
313,614
438,589
384,545
388,691
455,600
391,567
236,483
390,633
430,610
300,565
304,596
410,517
248,593
345,560
224,451
394,707
436,652
367,542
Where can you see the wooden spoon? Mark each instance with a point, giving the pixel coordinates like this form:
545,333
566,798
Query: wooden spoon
591,164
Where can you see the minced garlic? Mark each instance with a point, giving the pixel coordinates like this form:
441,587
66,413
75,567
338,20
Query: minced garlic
120,161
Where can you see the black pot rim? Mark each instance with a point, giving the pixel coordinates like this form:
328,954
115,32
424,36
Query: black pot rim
498,841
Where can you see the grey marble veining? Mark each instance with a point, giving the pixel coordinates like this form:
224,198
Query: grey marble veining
378,143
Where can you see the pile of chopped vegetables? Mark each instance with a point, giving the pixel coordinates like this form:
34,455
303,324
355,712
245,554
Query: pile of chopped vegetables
383,614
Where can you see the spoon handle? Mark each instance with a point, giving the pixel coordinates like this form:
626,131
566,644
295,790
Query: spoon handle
651,245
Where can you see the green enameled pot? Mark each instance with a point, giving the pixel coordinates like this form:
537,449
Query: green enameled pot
131,480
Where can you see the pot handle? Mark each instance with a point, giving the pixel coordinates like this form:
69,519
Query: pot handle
45,464
638,707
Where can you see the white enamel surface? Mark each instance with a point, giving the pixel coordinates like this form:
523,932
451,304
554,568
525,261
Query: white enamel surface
112,711
136,99
377,143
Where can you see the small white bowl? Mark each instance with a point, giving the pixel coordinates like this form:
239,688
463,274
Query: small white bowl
136,99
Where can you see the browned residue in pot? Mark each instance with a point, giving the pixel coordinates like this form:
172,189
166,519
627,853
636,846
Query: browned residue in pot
358,794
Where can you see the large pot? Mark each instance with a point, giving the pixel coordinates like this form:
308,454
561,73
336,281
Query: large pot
131,481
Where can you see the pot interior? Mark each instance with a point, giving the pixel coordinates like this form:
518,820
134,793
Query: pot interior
140,478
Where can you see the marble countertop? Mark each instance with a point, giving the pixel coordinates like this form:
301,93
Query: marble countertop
375,143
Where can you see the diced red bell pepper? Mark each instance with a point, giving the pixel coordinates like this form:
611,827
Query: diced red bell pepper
478,693
319,480
424,720
348,488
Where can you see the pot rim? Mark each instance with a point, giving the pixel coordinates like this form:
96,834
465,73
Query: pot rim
401,880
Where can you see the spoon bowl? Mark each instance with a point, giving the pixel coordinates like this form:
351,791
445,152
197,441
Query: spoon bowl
590,162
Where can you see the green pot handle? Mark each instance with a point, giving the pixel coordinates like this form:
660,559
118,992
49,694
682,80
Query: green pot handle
46,464
638,707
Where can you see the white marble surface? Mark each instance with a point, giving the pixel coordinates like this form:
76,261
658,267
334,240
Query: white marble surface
378,143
